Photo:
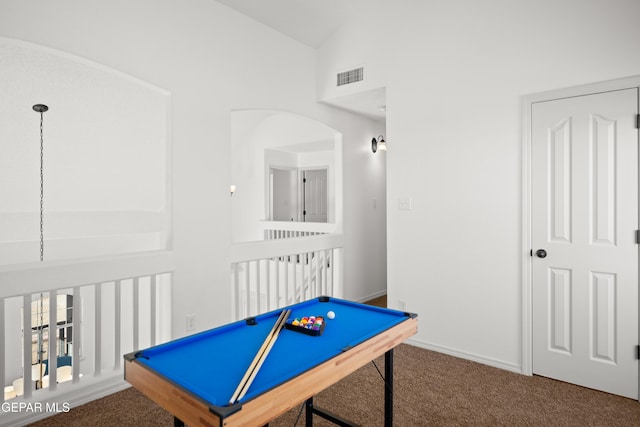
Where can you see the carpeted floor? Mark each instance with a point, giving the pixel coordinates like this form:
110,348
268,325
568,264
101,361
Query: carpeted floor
430,389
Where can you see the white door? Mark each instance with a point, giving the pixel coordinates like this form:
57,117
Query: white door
585,217
283,204
315,195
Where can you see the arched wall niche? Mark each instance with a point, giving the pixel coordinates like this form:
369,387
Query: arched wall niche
106,157
262,140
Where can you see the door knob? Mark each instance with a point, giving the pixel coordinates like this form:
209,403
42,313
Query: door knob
541,253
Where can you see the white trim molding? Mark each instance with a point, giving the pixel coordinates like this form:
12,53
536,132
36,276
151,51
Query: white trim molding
500,364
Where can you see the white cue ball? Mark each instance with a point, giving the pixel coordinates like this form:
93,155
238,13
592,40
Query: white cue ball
331,315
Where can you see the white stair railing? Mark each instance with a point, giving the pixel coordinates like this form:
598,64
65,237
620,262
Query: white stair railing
271,274
119,304
289,229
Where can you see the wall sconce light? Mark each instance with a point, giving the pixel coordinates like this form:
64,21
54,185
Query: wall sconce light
232,189
378,144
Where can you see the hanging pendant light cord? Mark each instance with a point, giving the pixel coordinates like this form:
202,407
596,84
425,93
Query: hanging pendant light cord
41,349
41,188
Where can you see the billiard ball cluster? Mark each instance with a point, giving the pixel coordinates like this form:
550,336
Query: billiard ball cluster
313,323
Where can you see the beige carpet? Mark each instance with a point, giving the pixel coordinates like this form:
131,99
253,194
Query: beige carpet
431,389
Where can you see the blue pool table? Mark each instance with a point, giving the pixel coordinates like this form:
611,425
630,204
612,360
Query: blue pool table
194,377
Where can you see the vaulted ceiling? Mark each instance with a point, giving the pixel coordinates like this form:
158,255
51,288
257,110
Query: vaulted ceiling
308,21
312,22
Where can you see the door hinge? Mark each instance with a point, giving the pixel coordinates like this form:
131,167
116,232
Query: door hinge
637,121
638,352
637,237
304,180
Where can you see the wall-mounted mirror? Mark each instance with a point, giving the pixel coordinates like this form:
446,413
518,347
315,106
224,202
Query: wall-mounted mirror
285,168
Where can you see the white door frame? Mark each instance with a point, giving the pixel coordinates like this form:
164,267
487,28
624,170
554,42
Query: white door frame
527,101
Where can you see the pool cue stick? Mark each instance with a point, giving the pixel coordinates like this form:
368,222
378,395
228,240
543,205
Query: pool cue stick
257,357
262,359
262,353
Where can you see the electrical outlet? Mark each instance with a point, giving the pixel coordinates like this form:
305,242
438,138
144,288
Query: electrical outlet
191,322
404,203
402,305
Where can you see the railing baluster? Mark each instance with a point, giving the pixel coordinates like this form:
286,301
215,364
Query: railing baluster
247,274
76,334
317,275
136,313
97,356
325,270
330,275
236,290
296,295
27,354
304,286
268,282
286,280
320,273
52,351
309,260
152,309
258,274
118,312
314,273
277,280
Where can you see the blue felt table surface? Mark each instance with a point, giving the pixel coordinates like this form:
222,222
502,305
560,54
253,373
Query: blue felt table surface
212,363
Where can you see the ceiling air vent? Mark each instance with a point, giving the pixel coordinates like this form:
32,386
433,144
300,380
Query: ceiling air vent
350,76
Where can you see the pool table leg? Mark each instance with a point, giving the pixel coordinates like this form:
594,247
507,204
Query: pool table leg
388,389
388,400
308,412
335,419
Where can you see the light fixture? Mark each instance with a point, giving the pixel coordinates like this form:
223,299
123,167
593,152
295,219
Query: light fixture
378,144
41,108
232,189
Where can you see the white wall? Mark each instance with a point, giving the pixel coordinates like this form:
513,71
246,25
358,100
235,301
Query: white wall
213,61
260,139
455,72
106,139
365,201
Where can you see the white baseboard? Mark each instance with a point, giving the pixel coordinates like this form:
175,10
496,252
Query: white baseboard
373,296
468,356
